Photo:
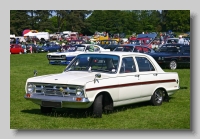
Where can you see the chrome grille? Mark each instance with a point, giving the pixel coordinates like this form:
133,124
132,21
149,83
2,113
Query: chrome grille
55,90
62,57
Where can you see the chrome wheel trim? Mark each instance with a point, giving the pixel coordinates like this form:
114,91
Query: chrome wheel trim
173,65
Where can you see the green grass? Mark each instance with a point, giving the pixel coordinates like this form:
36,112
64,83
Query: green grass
24,114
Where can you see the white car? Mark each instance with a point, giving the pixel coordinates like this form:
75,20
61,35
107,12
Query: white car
102,81
64,58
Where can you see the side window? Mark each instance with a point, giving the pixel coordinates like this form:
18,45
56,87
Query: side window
127,65
144,64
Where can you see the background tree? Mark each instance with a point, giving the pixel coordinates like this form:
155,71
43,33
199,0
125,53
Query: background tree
18,22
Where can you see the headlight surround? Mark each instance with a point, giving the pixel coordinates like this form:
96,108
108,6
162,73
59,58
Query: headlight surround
31,88
80,91
160,58
63,56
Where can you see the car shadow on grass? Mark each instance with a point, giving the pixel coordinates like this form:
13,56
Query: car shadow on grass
85,113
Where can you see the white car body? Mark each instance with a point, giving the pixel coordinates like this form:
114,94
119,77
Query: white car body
94,86
66,57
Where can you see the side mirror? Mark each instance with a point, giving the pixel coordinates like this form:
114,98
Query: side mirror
98,75
35,72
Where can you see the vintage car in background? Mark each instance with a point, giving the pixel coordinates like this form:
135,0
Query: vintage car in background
102,81
16,49
109,44
77,42
146,39
34,48
134,48
49,47
64,58
173,56
175,40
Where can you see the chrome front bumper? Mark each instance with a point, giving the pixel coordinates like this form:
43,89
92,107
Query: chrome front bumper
59,102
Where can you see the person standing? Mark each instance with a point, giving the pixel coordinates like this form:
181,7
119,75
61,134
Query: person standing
180,40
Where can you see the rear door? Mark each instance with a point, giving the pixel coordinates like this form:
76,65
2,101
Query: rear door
147,76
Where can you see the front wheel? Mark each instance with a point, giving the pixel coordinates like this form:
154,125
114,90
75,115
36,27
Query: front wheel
97,107
157,97
173,65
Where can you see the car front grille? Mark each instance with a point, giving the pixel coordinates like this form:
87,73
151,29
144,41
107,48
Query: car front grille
55,90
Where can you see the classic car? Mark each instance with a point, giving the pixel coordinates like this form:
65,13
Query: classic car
134,48
175,40
76,42
101,81
49,47
109,44
173,56
146,39
34,48
16,49
64,58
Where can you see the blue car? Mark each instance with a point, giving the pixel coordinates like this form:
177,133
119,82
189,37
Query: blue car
172,56
49,47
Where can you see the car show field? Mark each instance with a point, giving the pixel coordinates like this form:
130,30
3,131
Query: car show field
171,115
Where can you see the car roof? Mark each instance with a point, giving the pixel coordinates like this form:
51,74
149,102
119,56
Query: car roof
119,53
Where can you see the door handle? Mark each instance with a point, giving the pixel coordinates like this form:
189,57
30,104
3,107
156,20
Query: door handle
137,75
155,74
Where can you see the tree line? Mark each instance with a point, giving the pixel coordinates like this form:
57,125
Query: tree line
89,21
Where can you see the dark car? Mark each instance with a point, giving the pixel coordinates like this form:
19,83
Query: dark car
134,48
50,47
34,48
173,56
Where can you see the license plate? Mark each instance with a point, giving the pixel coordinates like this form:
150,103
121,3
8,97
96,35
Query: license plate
51,104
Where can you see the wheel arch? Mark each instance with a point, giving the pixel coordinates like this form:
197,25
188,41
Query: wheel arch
107,100
165,94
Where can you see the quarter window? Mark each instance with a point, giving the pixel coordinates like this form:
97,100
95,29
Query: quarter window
144,64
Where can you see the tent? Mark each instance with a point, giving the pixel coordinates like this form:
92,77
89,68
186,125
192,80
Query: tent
26,31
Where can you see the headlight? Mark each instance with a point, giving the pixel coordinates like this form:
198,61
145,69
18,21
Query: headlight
31,88
160,58
63,56
79,91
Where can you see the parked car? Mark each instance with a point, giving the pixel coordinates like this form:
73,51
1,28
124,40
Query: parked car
64,58
34,48
16,49
146,39
50,47
76,42
173,56
102,81
109,44
134,48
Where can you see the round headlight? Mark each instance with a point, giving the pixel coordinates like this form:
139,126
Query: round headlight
79,91
31,88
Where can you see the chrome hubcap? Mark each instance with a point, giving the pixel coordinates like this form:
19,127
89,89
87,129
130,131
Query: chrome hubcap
173,65
158,97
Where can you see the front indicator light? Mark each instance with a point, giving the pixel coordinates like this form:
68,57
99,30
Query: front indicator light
28,95
78,99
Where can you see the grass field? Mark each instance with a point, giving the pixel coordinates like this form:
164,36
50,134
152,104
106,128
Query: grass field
173,115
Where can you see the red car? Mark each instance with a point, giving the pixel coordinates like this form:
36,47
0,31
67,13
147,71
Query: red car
16,49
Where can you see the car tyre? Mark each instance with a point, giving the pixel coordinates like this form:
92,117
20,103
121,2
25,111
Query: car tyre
97,107
45,109
173,64
157,97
